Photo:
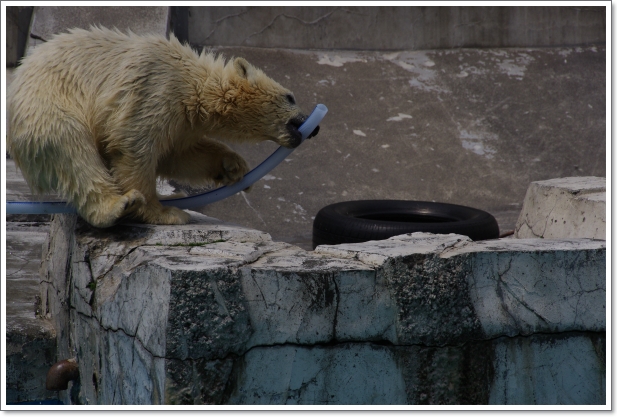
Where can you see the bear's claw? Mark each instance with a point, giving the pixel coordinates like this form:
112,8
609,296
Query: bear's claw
133,198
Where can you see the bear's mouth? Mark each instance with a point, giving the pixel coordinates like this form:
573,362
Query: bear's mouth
295,137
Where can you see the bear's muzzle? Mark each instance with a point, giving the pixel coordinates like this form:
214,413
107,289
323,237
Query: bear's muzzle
295,136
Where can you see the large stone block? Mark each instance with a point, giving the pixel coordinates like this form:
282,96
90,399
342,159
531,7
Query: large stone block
354,373
564,208
557,370
540,369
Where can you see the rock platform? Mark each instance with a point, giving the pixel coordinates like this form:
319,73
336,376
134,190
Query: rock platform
208,313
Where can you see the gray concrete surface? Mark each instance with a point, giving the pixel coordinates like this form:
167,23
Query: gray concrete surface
464,126
395,27
209,313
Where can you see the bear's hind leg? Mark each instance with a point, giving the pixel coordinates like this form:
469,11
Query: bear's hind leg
64,159
205,162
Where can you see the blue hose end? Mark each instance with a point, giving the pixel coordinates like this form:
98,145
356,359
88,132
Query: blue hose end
313,120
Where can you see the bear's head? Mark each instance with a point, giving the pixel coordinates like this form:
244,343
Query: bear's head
246,105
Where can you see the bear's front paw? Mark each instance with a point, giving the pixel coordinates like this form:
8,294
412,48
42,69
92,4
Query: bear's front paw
233,169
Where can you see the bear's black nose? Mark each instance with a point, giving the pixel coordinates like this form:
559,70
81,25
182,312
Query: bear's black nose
293,126
297,121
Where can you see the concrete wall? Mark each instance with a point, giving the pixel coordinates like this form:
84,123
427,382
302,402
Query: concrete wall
50,20
395,28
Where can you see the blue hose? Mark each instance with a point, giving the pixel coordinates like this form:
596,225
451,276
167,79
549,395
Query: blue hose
199,200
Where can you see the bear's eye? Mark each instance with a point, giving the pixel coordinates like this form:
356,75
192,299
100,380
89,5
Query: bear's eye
290,98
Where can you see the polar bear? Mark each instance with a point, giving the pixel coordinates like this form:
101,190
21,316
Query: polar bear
97,115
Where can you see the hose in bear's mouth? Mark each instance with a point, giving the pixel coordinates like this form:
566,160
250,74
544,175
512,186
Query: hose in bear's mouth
195,201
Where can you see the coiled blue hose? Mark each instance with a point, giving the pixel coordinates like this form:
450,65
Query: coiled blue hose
199,200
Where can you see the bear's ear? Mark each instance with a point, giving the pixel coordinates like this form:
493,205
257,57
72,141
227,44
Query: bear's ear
244,69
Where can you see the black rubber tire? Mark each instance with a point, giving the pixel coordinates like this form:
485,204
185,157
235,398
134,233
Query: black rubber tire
364,220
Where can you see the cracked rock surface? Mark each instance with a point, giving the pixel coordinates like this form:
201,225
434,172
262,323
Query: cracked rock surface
211,313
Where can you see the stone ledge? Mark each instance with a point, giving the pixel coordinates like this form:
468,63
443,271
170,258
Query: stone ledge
154,312
509,287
